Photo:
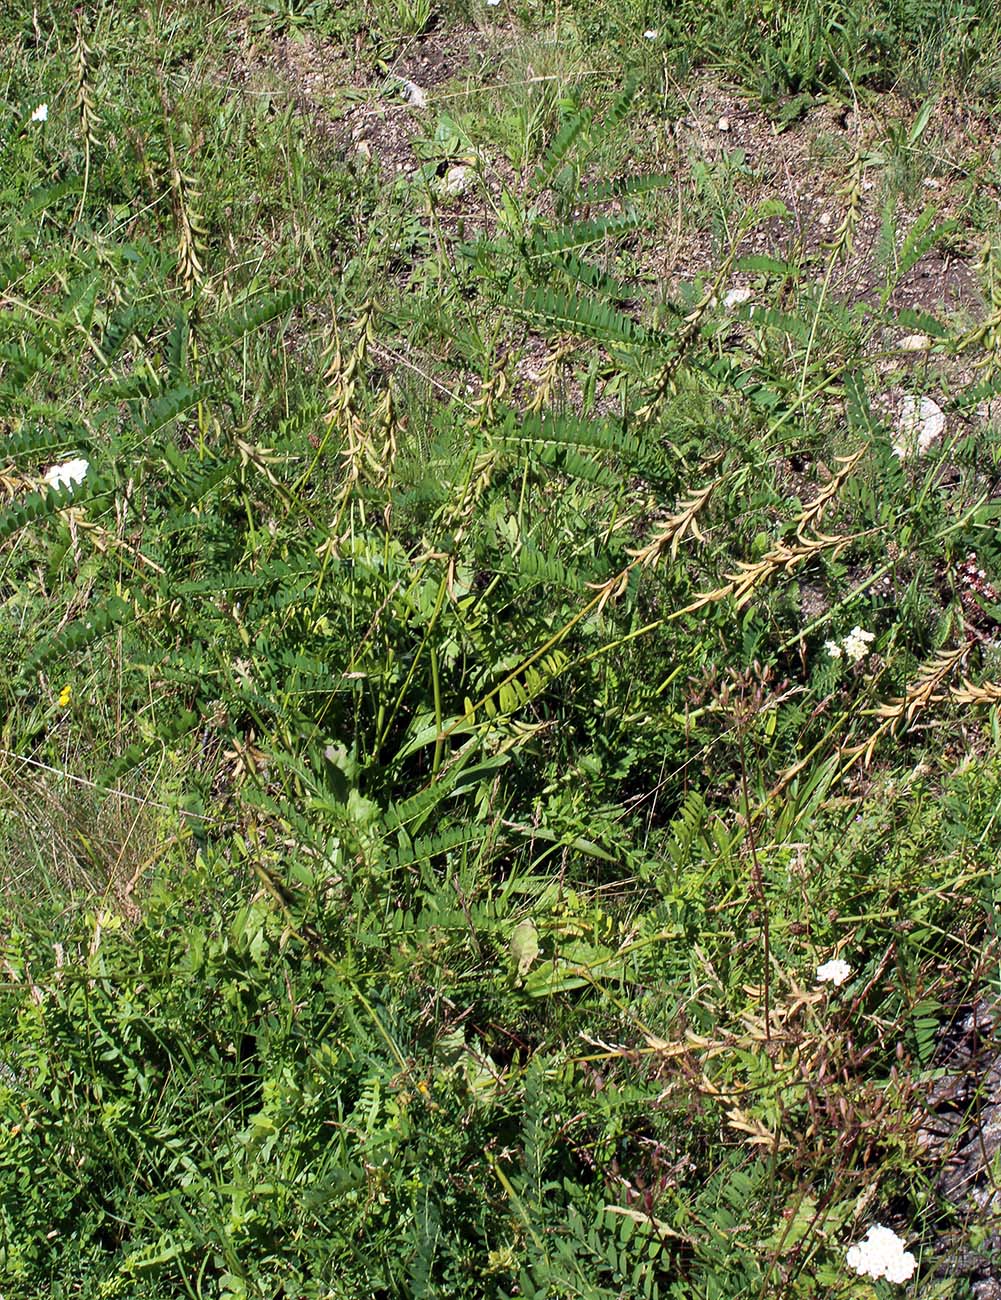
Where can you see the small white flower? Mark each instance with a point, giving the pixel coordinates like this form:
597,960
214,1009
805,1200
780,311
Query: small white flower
650,34
493,3
40,114
66,475
835,972
735,297
833,649
881,1254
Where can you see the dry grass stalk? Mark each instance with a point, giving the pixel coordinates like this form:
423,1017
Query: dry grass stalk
681,343
183,195
485,403
84,64
543,395
663,384
189,228
367,446
968,693
670,535
667,539
482,468
843,240
342,377
750,575
987,334
813,516
924,691
385,430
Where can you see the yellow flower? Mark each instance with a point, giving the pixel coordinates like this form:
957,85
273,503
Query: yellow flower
64,696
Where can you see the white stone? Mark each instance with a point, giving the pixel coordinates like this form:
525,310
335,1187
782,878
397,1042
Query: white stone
412,93
921,422
456,180
723,124
66,475
735,297
915,343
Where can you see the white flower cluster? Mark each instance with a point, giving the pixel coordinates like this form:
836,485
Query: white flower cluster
40,114
855,645
66,475
835,971
882,1254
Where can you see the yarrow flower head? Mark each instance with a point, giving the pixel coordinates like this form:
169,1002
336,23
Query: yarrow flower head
67,474
855,645
835,971
882,1254
40,114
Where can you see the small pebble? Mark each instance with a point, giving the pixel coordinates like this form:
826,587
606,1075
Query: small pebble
456,180
915,343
